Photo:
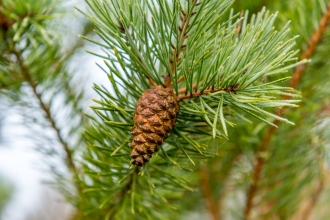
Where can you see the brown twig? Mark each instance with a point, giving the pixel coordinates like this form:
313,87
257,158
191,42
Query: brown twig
256,173
181,79
196,94
207,192
5,22
153,83
184,90
231,88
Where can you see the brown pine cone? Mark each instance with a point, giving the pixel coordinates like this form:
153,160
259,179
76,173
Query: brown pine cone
154,117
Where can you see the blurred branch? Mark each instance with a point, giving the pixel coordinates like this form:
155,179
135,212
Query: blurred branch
313,42
256,173
325,112
215,187
46,110
229,165
207,193
316,195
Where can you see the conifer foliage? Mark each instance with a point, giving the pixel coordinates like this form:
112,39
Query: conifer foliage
222,68
187,122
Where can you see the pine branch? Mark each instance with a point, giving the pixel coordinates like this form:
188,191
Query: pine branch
34,57
48,115
225,175
46,110
214,175
256,173
215,60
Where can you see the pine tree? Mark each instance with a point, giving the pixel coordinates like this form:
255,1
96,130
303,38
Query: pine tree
192,121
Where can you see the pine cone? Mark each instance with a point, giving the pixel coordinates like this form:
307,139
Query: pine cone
154,117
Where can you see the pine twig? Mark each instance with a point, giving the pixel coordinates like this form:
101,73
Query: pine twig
181,79
152,83
256,173
196,94
231,88
50,118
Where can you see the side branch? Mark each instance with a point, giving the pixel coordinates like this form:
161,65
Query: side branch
256,173
197,94
47,112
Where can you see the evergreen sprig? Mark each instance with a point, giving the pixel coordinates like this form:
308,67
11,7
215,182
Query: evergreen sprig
227,70
211,60
220,73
